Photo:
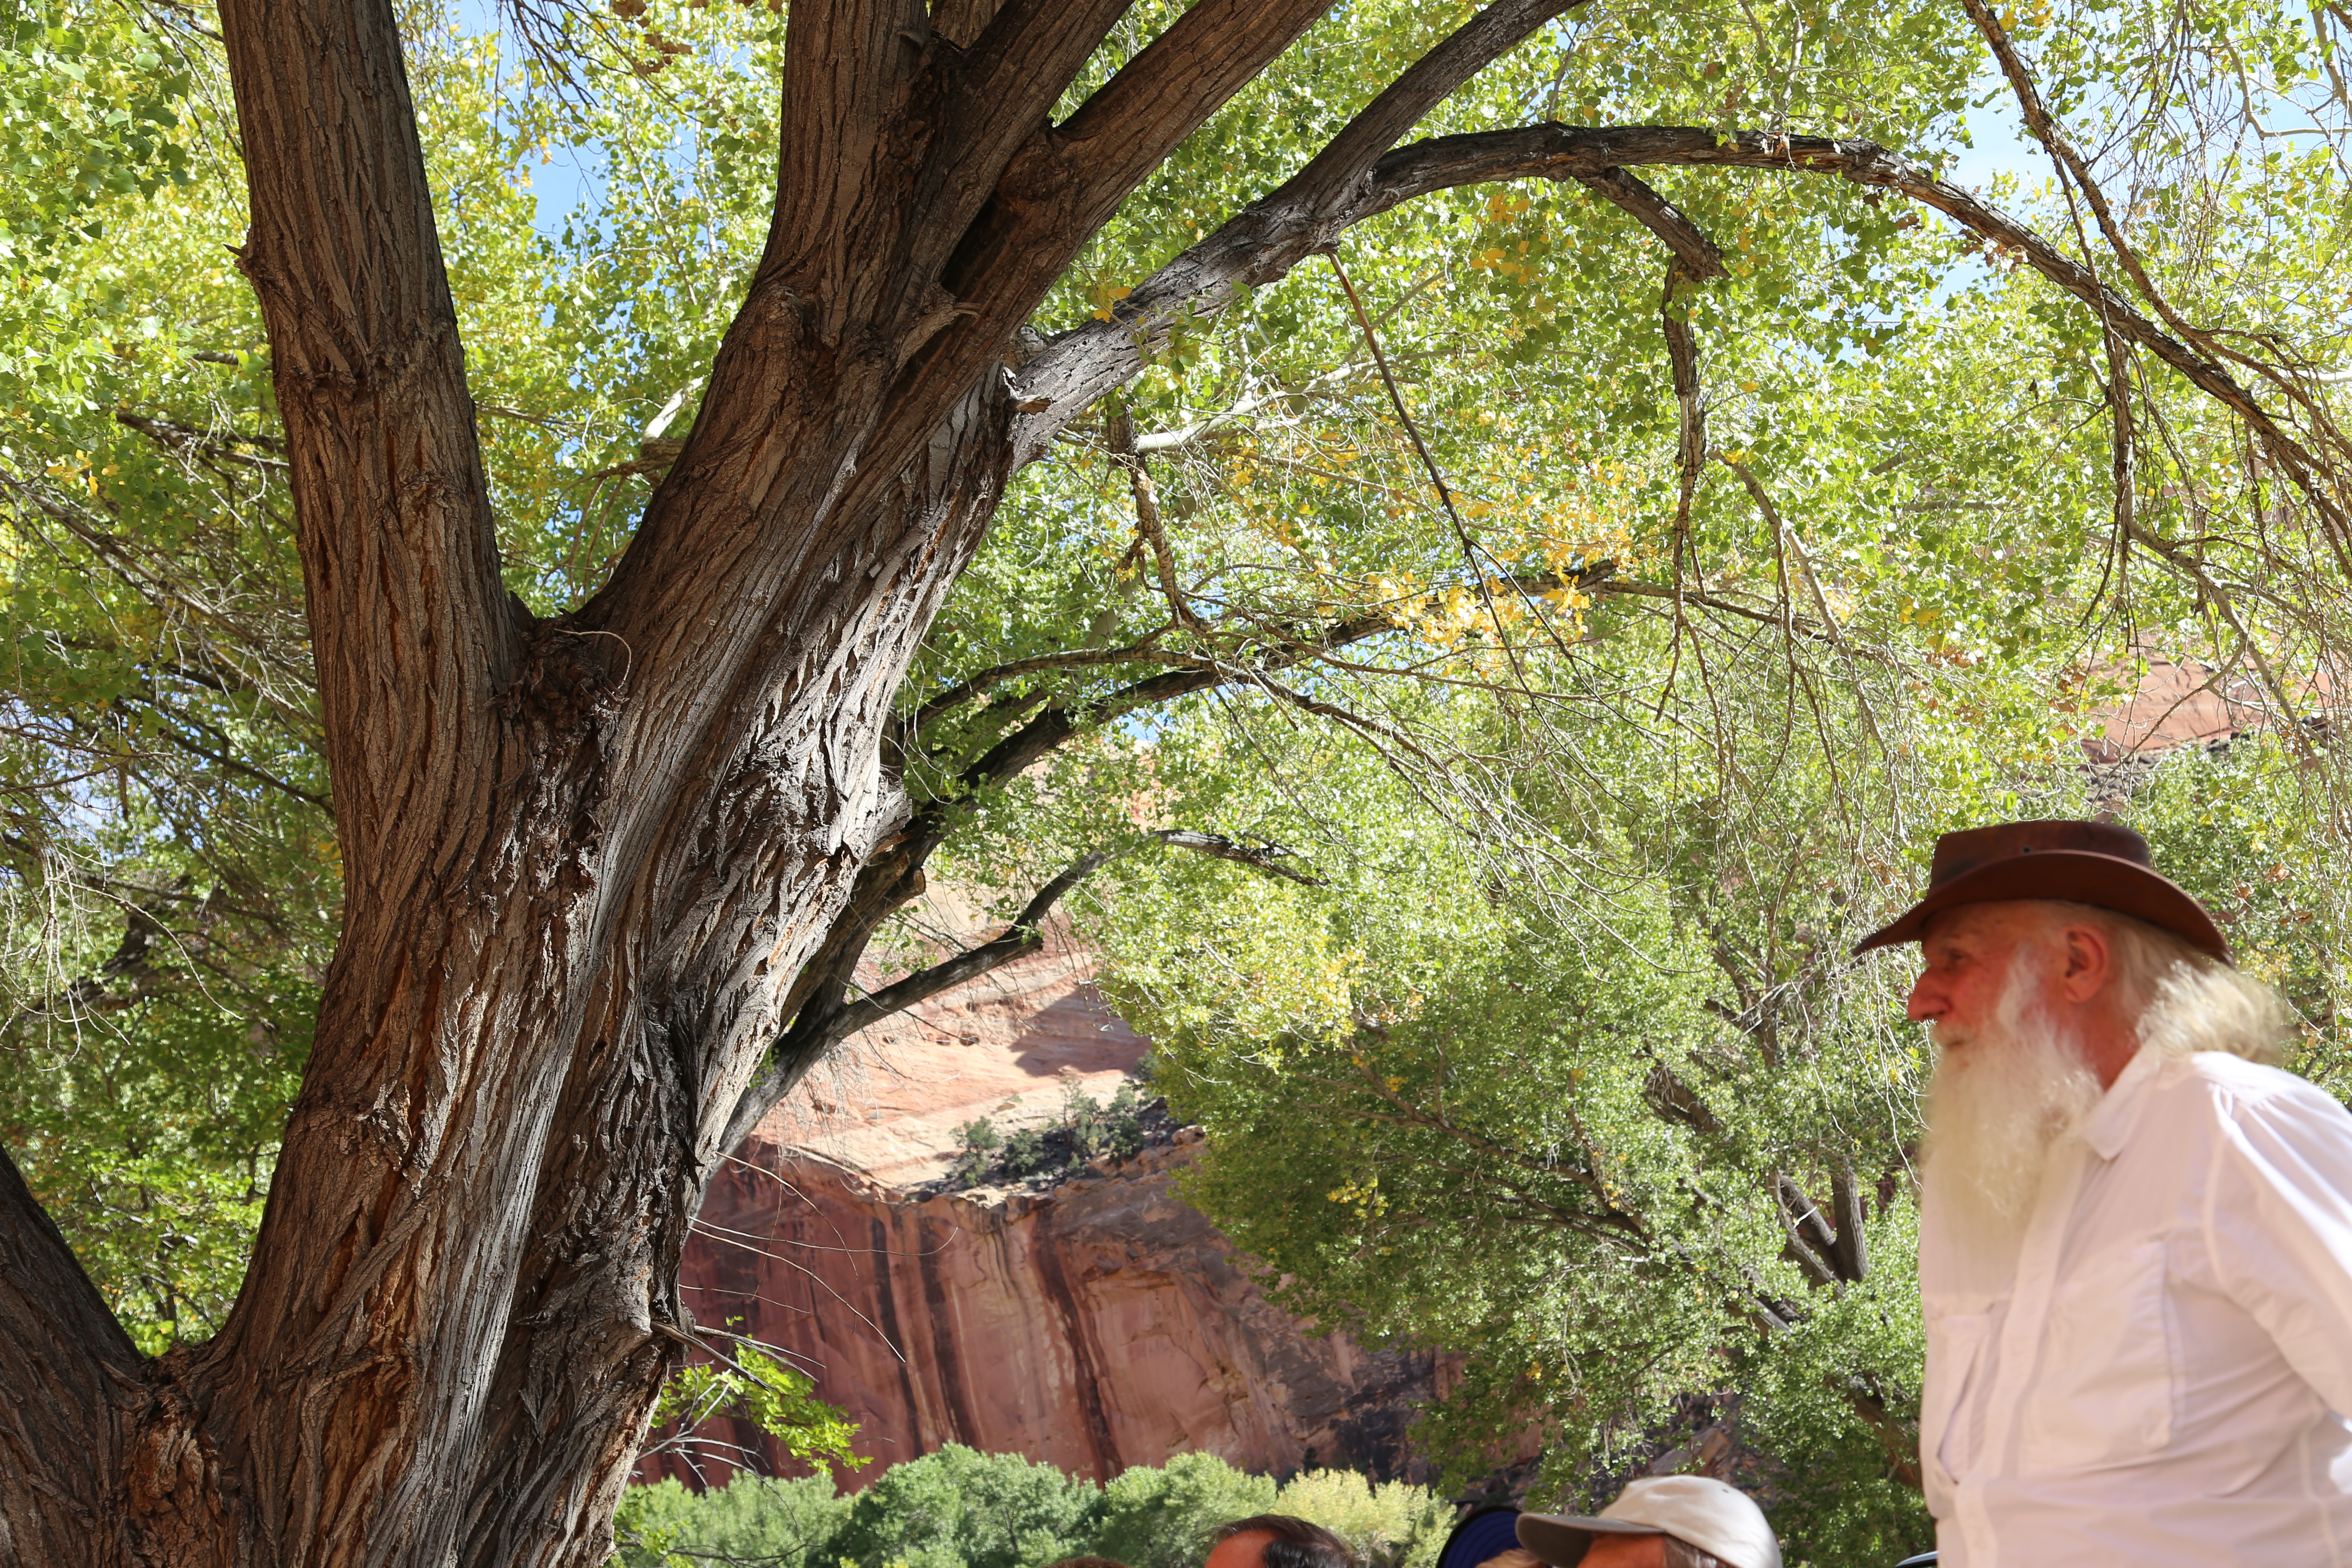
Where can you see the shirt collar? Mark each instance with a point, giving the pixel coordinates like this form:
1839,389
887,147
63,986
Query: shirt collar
2110,1124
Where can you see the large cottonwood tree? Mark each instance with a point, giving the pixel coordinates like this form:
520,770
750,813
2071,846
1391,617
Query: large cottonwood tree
604,874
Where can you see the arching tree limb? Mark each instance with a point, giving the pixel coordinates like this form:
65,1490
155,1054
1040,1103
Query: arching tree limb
2075,170
1265,240
822,1026
1701,262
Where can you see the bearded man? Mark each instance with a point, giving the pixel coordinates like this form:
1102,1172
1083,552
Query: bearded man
2135,1231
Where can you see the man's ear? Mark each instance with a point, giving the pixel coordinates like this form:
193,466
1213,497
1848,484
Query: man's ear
2090,963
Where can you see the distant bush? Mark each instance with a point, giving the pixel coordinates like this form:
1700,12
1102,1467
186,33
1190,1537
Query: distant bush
1392,1525
1122,1124
1084,1129
976,1143
788,1525
961,1509
1162,1518
1081,1123
1024,1153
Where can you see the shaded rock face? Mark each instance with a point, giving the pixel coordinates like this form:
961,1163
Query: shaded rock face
1099,1324
1093,1322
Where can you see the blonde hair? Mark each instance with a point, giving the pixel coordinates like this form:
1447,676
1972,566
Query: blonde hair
2185,1000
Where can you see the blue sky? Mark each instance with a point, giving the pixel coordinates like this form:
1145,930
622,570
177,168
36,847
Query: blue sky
570,177
2001,144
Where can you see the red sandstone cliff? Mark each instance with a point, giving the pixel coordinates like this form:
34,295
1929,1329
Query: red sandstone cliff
1095,1324
1099,1324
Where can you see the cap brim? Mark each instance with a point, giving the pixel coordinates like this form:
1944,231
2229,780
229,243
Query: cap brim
2076,875
1563,1539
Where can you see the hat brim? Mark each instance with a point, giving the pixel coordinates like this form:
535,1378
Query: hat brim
2077,876
1563,1539
1488,1533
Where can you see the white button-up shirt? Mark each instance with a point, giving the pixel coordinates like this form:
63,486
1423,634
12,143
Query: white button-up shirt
2162,1374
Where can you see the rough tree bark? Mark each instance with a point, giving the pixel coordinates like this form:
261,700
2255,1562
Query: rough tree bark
596,867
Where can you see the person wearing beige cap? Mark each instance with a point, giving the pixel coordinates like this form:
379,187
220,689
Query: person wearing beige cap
2135,1229
1658,1522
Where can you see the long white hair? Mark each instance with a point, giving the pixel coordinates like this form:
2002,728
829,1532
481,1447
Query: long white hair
2187,1001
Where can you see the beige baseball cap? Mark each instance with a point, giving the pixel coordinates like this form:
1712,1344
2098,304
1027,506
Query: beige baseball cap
1703,1512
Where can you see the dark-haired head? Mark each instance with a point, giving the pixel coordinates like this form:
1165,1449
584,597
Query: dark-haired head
1278,1541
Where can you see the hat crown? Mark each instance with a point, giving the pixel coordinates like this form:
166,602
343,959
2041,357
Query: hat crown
1958,854
2098,863
1712,1515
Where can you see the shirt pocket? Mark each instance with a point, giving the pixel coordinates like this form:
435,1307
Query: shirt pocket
1955,1346
2104,1391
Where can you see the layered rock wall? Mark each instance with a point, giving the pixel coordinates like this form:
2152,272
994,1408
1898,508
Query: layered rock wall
1099,1324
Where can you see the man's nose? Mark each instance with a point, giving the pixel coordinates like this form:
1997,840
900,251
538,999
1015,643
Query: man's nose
1927,1003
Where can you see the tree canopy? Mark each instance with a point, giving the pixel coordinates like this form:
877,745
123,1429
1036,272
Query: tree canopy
1476,628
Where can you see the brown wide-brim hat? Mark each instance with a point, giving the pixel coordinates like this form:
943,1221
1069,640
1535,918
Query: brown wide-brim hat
2095,863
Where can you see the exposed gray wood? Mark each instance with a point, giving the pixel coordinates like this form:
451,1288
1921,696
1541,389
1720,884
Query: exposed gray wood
1025,934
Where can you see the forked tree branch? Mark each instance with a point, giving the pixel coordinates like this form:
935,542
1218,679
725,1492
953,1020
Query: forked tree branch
826,1022
1781,530
1016,70
1258,244
965,253
1153,536
962,22
924,210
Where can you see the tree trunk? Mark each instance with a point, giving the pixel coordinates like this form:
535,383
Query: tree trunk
583,860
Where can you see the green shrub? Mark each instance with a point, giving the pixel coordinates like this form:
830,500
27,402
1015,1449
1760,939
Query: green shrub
777,1524
976,1143
1393,1525
1162,1518
1124,1135
1024,1153
961,1508
1081,1121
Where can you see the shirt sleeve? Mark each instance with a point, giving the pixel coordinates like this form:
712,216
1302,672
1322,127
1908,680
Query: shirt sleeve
2278,1223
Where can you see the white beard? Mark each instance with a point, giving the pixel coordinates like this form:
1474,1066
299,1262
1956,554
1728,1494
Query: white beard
1999,1105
